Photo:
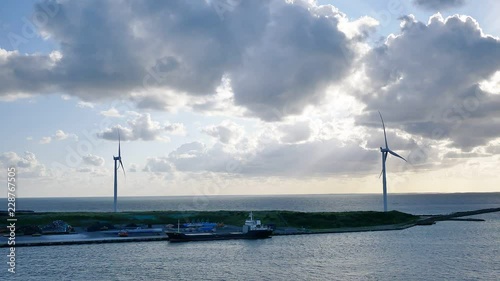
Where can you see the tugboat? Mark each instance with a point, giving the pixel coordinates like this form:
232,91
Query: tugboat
252,229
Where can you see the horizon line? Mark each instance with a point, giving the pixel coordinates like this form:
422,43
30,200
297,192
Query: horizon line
248,195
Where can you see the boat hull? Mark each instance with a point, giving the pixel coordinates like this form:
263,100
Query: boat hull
186,237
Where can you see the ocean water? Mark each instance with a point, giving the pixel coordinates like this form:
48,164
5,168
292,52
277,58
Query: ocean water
412,203
445,251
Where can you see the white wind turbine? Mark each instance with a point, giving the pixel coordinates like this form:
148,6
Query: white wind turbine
385,151
118,162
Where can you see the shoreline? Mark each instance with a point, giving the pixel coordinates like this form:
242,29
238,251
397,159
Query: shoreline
163,237
100,237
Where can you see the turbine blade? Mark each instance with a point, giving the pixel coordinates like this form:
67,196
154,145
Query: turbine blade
383,126
121,164
395,154
385,158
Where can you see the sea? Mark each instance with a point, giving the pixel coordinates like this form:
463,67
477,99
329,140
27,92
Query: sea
450,250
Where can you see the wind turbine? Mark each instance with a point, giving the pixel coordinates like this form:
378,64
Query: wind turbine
118,162
385,151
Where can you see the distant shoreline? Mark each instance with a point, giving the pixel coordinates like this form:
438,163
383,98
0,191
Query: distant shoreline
257,195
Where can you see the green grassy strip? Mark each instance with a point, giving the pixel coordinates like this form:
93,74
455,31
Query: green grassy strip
318,220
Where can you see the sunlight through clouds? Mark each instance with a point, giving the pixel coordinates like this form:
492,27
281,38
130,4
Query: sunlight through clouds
252,96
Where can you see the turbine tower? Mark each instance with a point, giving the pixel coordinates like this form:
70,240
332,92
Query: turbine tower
118,163
385,151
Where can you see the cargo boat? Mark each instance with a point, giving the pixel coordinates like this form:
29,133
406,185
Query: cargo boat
252,229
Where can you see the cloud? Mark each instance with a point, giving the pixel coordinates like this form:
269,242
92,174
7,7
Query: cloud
112,112
296,132
317,158
141,127
426,82
196,157
158,165
435,5
58,136
493,149
159,100
85,170
176,129
491,85
93,160
27,165
465,155
133,168
84,104
300,54
279,56
93,171
226,132
45,140
188,150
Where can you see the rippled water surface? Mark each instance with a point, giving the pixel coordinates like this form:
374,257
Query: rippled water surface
413,203
445,251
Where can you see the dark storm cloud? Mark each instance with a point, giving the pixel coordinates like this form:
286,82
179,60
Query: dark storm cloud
426,80
279,56
299,56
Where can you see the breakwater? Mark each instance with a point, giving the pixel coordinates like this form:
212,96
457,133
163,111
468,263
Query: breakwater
285,229
427,220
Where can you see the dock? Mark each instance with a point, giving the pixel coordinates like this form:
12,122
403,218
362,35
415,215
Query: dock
86,241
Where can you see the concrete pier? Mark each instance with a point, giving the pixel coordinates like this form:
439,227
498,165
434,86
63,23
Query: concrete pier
88,241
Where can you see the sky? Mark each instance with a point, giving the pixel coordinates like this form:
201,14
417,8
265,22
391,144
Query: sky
233,97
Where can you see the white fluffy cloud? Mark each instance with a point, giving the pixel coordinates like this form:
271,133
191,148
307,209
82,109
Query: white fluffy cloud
226,132
112,112
27,165
158,165
141,127
176,129
84,104
93,160
45,140
58,136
